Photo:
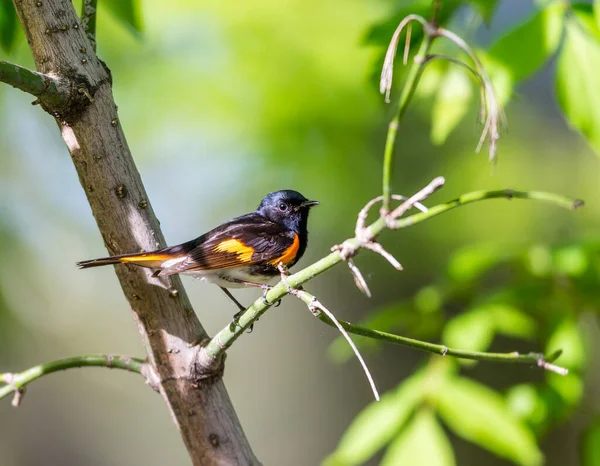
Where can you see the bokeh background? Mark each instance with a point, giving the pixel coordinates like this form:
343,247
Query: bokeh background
222,103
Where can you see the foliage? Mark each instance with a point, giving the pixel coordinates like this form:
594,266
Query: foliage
536,294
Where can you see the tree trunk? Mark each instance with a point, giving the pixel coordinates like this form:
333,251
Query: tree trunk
89,124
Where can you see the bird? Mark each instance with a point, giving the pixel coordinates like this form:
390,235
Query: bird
245,251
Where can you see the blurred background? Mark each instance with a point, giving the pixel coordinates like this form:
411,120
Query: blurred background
224,103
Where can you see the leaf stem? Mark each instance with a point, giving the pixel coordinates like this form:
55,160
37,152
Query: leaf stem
412,80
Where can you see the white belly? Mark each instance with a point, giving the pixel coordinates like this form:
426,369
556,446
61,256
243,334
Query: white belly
227,278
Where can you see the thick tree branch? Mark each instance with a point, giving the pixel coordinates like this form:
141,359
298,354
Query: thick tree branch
90,127
16,382
227,336
36,84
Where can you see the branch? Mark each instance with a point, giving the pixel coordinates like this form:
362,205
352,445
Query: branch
536,359
89,8
317,309
217,346
476,196
412,80
15,383
32,82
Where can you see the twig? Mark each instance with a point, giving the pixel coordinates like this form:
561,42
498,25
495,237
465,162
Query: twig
412,80
89,8
495,116
534,359
32,82
316,307
15,383
476,196
423,194
359,280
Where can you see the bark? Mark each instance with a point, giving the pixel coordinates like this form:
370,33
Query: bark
87,117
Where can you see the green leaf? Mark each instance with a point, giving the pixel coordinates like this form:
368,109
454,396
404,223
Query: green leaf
597,16
577,81
472,330
510,321
423,441
568,338
525,403
569,387
127,12
471,262
590,446
524,49
486,8
451,104
480,415
571,260
8,24
378,423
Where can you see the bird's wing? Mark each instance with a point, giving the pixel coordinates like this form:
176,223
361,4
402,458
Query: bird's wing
247,240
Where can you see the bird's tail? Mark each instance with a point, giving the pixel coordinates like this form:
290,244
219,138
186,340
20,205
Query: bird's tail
145,259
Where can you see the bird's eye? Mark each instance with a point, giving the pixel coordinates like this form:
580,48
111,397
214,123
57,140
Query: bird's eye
283,207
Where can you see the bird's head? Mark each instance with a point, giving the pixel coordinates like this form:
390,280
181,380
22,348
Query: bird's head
286,207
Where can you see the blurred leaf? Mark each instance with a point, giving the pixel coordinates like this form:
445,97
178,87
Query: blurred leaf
480,415
571,261
472,261
569,387
524,402
576,81
597,16
126,11
8,24
378,423
473,331
381,32
422,442
451,104
524,49
568,338
510,321
428,300
590,446
539,260
486,8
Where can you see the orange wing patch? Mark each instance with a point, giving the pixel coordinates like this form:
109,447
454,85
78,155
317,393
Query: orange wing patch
289,254
234,246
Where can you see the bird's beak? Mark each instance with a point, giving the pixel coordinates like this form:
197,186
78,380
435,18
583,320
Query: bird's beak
309,203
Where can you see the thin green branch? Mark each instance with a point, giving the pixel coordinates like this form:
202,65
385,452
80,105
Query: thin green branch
32,82
227,336
15,383
412,80
89,9
475,196
514,357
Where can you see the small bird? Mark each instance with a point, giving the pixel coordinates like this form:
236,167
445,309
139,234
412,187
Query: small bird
245,251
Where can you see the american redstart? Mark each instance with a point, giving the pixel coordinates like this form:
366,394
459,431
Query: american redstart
245,251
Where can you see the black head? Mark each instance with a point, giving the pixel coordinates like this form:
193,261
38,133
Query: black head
287,207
